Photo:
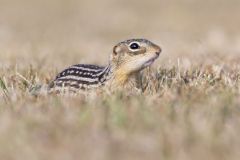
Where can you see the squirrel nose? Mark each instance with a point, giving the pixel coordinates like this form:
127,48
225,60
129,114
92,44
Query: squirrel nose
159,50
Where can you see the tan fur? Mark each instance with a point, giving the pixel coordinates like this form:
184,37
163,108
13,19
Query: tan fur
127,59
127,62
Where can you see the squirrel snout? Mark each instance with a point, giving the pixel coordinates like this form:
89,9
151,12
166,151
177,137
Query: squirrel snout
158,50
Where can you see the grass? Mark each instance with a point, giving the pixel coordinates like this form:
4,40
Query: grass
181,114
189,107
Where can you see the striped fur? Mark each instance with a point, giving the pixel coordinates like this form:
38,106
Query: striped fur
124,62
81,76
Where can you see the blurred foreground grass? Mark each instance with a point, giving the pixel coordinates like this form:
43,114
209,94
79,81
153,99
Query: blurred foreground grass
182,114
190,105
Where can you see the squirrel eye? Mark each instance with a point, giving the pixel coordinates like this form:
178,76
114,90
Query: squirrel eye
134,46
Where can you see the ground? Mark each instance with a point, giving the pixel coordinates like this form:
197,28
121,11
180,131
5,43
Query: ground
189,107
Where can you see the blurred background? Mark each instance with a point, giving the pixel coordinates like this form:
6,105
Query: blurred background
59,33
191,116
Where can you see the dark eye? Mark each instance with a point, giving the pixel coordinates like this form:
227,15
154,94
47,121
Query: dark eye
134,46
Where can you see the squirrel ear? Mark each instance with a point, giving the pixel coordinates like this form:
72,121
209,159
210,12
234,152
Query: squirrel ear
116,50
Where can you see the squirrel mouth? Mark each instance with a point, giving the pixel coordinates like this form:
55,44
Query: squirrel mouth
150,61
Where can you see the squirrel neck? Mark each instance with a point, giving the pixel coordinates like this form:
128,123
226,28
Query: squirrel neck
113,75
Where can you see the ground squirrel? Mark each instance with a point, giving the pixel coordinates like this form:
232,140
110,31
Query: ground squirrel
127,58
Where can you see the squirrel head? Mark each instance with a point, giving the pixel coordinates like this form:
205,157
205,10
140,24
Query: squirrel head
134,55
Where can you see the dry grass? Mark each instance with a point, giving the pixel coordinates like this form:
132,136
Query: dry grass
190,104
182,114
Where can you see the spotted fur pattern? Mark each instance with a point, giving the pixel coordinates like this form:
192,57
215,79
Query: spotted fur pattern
135,40
81,76
121,66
